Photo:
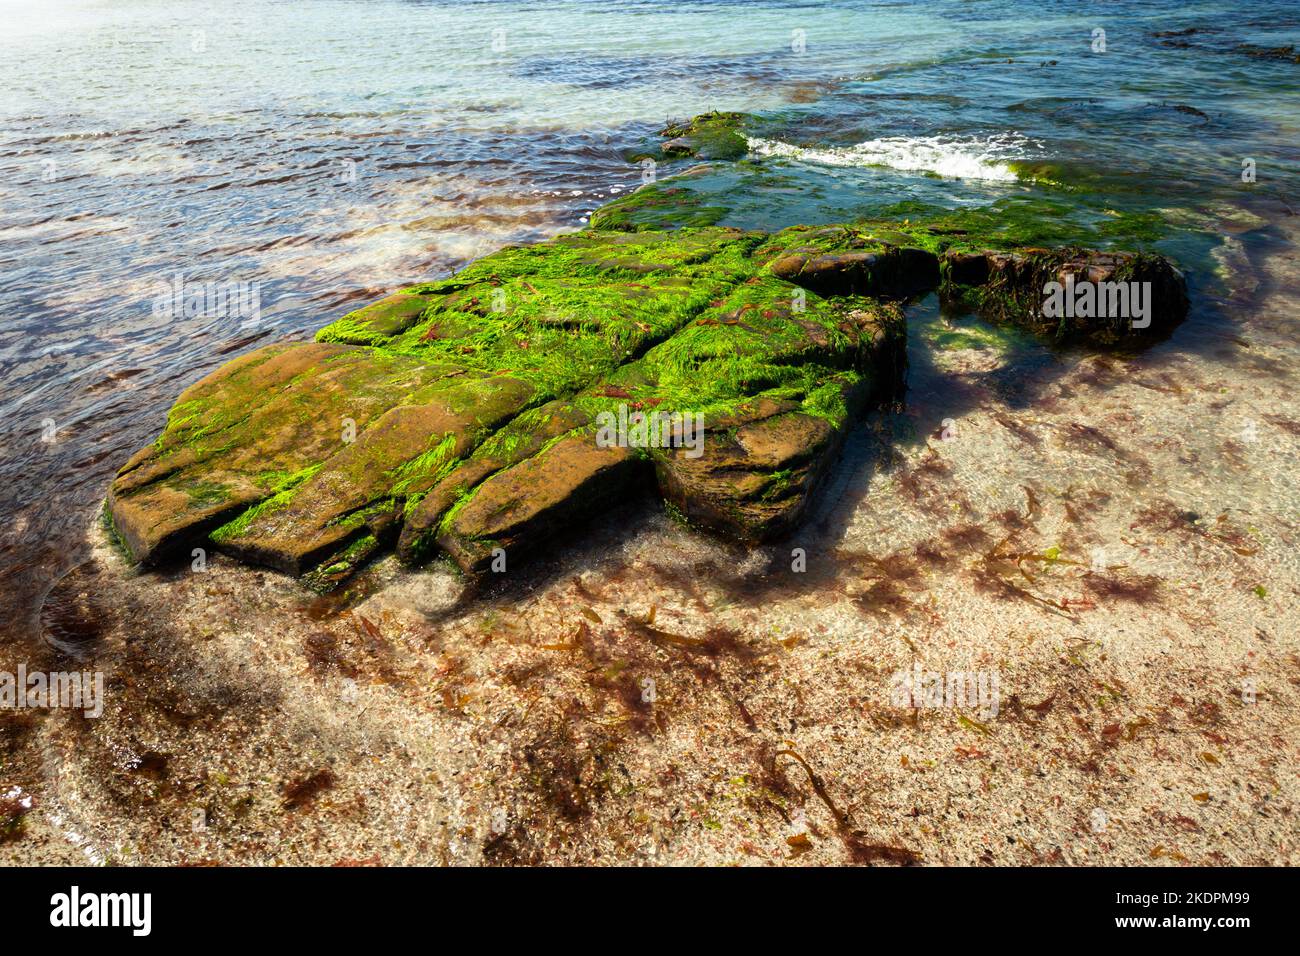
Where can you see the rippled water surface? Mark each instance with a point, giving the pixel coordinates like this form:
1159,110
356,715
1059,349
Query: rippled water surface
323,152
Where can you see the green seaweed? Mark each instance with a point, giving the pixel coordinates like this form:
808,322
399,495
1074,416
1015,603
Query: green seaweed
652,308
281,495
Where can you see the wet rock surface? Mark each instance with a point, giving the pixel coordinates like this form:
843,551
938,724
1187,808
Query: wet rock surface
487,413
709,136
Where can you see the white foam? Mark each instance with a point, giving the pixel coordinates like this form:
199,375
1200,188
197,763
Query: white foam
970,158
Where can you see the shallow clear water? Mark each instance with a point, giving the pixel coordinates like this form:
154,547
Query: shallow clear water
324,152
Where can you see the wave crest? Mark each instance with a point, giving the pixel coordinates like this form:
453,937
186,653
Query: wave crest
970,158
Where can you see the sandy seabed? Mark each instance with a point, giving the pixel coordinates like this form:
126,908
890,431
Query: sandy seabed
1113,541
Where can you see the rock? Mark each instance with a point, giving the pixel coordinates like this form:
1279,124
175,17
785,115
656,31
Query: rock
253,430
1286,54
656,206
526,505
380,320
708,136
965,268
1206,42
844,260
1013,287
356,492
517,442
753,484
545,382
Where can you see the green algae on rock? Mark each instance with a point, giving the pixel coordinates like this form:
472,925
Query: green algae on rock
713,135
477,428
657,206
463,416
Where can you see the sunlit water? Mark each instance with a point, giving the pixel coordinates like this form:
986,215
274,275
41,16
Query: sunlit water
324,152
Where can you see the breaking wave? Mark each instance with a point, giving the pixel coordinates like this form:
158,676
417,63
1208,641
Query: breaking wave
970,158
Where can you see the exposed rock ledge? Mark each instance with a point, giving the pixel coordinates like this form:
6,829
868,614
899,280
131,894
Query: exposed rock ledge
462,416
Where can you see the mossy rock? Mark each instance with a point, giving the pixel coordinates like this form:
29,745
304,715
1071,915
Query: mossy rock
1010,287
475,413
657,206
716,135
379,321
708,136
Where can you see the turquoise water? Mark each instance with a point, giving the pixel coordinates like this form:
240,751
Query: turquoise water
324,152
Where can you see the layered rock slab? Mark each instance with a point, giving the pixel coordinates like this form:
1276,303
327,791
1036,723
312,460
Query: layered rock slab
252,431
472,416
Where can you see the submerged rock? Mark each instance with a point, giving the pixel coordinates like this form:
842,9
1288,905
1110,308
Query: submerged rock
535,388
656,207
1106,299
709,136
